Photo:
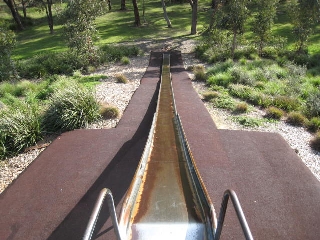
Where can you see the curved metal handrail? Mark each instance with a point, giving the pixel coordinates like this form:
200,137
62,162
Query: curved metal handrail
105,192
237,206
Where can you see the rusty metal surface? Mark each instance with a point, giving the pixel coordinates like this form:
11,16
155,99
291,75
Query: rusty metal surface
165,206
279,195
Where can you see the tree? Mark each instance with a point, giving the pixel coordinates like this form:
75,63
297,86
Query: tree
15,14
123,5
47,5
136,13
263,21
79,28
234,16
165,14
7,43
304,15
194,19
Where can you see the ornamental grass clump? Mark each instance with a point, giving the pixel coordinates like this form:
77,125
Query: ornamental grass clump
296,119
241,107
70,108
315,142
199,73
121,78
208,96
108,112
20,127
313,124
274,113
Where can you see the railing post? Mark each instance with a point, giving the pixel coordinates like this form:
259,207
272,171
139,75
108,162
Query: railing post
242,219
105,192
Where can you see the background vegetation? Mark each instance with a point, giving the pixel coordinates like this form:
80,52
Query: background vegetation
261,54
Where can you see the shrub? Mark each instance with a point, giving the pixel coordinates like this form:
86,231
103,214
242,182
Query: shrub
115,53
296,119
224,101
220,79
286,103
313,104
274,113
248,121
108,111
70,107
314,124
121,78
125,60
241,107
315,142
199,73
20,126
220,67
208,96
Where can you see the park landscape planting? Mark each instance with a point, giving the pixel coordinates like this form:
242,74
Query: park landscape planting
49,86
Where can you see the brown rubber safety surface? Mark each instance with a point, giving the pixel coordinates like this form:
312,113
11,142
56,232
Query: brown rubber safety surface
279,195
54,197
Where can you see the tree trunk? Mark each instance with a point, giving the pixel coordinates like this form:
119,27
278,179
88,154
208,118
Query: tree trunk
136,13
48,7
15,14
24,8
123,5
194,6
234,43
165,14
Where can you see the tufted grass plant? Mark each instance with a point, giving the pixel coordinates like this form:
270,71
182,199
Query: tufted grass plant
313,124
120,78
315,142
199,73
125,60
70,108
296,119
108,111
241,107
209,95
20,127
274,113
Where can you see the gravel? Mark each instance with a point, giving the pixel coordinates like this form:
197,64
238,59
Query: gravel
119,94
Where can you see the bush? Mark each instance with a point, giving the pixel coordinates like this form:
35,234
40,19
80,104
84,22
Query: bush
115,53
314,124
121,78
70,107
286,103
241,107
220,79
108,111
125,60
315,142
20,128
274,113
45,64
224,101
248,121
199,73
296,119
313,104
208,96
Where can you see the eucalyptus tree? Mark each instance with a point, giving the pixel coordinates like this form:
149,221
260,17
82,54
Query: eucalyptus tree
165,13
194,18
234,15
7,43
79,28
304,14
14,12
263,22
137,21
47,5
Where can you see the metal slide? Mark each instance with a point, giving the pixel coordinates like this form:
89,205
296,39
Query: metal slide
167,199
163,202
